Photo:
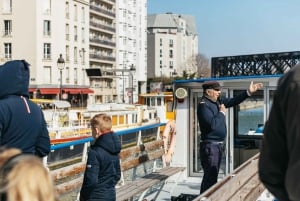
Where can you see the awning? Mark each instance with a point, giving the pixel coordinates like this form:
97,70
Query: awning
64,90
78,90
32,89
48,91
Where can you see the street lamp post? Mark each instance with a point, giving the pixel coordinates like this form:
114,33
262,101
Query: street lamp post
60,66
129,73
123,98
132,69
123,81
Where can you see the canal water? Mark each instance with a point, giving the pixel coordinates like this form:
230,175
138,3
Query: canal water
250,120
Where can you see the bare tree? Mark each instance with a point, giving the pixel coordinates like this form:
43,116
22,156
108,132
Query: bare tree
202,64
197,66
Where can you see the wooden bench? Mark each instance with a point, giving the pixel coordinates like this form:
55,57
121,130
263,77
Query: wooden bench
132,158
242,184
68,178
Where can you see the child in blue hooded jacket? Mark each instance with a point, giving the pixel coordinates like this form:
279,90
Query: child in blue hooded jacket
103,164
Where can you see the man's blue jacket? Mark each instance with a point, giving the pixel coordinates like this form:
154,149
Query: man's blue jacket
22,123
211,121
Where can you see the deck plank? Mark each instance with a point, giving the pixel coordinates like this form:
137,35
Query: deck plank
141,184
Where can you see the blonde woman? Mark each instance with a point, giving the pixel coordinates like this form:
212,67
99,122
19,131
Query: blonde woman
23,177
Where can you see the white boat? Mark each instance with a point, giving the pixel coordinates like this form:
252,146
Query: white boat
242,146
67,124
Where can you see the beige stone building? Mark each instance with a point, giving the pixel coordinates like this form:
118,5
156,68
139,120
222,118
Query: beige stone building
104,38
172,44
41,31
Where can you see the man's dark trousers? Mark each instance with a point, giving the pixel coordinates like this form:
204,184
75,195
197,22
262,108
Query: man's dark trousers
211,156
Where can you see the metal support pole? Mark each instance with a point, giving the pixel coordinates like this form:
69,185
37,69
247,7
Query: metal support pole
131,75
60,66
123,98
60,85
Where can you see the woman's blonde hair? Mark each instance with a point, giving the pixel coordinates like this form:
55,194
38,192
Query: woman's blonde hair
23,177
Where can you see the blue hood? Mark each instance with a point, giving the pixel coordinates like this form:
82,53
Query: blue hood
14,78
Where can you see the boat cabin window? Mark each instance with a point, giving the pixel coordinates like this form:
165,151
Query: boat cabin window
152,101
159,101
249,115
169,106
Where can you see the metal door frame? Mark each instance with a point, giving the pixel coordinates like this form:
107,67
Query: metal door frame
195,95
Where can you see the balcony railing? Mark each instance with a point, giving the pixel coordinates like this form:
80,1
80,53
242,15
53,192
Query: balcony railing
104,42
103,11
101,26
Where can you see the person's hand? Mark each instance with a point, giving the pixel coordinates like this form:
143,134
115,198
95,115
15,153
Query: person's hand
254,87
222,108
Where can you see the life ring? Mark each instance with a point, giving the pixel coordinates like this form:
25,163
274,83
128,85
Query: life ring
169,139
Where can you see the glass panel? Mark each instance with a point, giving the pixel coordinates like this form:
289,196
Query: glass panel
7,27
169,106
152,101
47,28
7,50
195,159
249,115
249,119
271,98
158,101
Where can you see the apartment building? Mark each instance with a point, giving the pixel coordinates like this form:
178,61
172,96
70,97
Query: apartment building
103,51
117,50
131,48
39,31
102,44
172,44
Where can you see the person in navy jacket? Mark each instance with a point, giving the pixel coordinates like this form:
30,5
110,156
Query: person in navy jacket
22,123
279,159
211,117
103,169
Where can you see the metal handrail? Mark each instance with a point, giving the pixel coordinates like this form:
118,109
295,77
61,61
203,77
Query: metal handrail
120,133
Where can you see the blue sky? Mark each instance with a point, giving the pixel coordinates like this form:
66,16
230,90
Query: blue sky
239,27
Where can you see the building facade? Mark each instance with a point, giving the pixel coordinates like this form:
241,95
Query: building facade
131,48
172,44
118,50
102,43
103,51
41,31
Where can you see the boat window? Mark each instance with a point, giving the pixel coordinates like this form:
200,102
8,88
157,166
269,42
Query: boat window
158,101
148,135
129,139
271,97
134,120
115,119
169,106
249,119
152,101
249,115
147,101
